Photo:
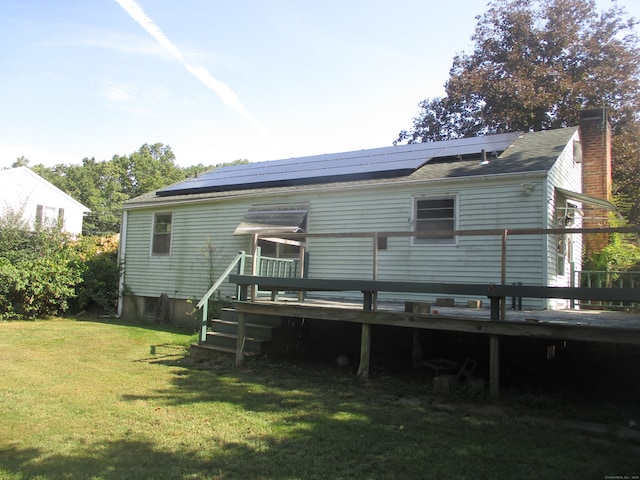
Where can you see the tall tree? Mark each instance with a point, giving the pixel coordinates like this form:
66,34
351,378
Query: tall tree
534,66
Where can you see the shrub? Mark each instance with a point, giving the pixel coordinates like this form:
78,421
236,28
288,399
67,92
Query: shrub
620,254
99,288
39,270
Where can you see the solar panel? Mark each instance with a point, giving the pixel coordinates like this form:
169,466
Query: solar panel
385,162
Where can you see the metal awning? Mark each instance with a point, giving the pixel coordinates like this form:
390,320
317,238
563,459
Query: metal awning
273,220
588,199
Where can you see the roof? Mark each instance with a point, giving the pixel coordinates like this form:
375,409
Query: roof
12,172
520,153
385,162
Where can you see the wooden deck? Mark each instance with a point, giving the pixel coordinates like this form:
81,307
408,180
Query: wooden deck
574,325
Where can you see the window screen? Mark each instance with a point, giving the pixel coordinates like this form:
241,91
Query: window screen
162,234
435,217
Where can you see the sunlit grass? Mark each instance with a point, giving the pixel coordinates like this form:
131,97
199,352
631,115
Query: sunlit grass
84,399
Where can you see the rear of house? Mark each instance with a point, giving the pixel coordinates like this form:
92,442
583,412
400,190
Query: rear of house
427,197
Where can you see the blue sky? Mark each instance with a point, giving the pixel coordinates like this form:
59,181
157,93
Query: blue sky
220,80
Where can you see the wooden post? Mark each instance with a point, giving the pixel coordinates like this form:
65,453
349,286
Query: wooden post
365,339
241,267
242,328
416,348
302,272
416,334
255,253
494,366
374,302
204,322
365,351
503,273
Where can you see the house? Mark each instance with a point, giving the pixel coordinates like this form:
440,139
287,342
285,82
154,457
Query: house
38,201
429,198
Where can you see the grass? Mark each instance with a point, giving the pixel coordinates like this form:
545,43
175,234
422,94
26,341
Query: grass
89,400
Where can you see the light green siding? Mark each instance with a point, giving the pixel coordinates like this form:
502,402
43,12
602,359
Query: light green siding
203,243
188,271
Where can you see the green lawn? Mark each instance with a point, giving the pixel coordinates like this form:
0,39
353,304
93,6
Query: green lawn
88,400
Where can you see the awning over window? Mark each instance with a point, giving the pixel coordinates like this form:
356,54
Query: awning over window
273,220
588,199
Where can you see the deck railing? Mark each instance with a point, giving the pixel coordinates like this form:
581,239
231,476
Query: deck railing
267,266
610,279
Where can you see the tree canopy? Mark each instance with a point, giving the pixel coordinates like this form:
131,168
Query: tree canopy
104,186
534,66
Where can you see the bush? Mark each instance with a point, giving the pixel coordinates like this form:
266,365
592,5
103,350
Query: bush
99,288
621,254
39,271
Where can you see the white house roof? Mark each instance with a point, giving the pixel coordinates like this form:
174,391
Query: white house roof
15,173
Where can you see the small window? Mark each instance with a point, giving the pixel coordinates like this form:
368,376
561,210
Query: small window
162,234
435,217
48,217
149,306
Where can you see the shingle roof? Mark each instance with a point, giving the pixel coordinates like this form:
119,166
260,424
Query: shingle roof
530,152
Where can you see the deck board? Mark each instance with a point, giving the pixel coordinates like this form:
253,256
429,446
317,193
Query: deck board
582,325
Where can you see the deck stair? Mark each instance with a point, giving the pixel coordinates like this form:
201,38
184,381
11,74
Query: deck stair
265,334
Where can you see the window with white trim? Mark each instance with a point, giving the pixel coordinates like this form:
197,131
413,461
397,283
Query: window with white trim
436,218
49,217
162,228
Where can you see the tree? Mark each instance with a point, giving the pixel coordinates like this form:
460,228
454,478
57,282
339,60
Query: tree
534,66
104,186
21,161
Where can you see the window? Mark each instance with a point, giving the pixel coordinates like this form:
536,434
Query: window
49,217
162,234
149,306
436,218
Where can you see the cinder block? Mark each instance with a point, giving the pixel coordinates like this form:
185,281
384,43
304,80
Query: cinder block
474,304
444,383
417,307
445,302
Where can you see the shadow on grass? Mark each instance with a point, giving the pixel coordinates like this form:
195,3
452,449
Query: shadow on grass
331,425
117,460
322,424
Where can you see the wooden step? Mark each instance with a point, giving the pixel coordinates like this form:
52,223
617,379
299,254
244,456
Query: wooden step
255,319
229,341
261,332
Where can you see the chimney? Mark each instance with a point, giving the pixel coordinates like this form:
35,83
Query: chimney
595,137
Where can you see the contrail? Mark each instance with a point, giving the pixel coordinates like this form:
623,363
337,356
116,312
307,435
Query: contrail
220,88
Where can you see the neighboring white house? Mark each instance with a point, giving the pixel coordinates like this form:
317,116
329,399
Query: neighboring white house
39,201
175,241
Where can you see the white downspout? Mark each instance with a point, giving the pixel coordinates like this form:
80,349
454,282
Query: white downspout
121,251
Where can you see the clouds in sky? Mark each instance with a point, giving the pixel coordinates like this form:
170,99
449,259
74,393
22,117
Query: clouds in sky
216,80
202,74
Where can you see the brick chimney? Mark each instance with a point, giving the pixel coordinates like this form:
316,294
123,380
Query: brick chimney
595,137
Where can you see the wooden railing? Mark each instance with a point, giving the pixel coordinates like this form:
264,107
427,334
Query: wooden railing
266,266
610,279
494,327
237,264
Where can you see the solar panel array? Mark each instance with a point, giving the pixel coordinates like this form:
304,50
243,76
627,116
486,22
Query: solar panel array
385,162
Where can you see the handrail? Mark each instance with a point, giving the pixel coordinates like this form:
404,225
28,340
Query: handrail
204,303
614,279
270,264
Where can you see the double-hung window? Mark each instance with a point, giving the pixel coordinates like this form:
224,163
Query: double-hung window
162,228
435,219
